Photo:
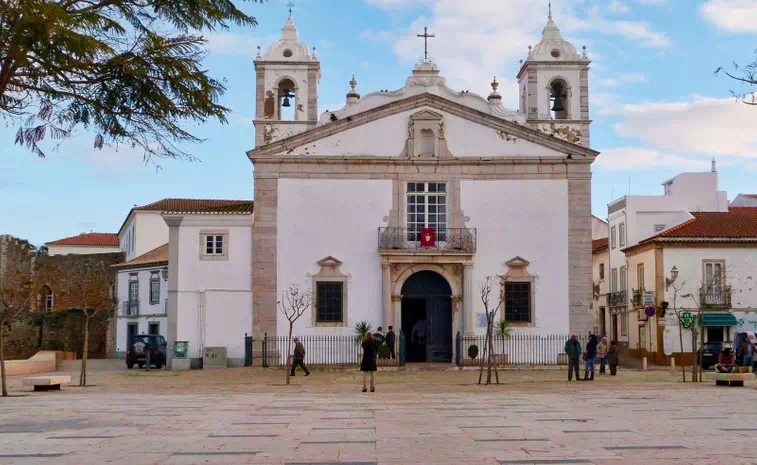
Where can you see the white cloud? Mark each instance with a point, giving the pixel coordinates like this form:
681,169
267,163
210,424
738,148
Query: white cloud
618,7
731,15
232,43
478,39
705,126
640,158
652,2
627,78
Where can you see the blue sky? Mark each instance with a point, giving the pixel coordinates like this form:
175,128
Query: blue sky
657,107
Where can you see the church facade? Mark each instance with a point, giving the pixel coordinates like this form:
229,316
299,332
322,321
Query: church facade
395,208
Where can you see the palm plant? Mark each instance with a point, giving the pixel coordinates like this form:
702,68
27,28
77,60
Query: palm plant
362,330
505,331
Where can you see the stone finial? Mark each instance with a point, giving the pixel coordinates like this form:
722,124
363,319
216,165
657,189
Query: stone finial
494,97
584,51
259,55
352,95
530,50
314,54
353,83
714,166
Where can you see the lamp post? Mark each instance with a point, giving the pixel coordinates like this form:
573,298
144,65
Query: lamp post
672,279
164,273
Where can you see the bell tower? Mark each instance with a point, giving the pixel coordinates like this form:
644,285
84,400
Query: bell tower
287,78
554,87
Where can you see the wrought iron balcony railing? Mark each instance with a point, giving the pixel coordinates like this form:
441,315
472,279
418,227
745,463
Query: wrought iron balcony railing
715,296
129,308
617,298
446,240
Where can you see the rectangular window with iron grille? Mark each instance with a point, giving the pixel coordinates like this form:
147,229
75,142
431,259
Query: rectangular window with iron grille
426,208
133,297
154,288
518,302
329,302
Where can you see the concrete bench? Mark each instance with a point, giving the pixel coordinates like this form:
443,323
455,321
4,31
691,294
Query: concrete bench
47,383
732,379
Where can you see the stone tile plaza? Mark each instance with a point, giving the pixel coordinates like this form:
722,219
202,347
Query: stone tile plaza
247,416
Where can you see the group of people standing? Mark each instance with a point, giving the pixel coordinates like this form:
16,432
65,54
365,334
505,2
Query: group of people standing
595,351
371,343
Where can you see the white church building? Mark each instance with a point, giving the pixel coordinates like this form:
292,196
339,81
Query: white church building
394,208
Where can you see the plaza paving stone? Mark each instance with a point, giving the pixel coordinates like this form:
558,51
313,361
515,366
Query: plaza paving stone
247,416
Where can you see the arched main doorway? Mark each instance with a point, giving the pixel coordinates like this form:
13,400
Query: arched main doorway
427,318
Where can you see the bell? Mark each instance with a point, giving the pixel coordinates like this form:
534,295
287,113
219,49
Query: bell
286,98
558,94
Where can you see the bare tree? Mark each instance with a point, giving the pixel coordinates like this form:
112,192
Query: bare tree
485,288
746,74
679,312
85,286
293,304
15,297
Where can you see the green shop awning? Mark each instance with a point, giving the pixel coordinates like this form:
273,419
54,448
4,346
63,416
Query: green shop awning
719,319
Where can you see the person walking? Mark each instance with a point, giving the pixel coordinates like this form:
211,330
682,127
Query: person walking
613,358
602,355
299,357
368,365
390,340
747,352
573,350
591,356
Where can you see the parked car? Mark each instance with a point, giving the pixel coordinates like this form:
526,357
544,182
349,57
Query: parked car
136,354
710,353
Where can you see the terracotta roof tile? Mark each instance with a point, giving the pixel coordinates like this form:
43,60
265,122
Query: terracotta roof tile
92,239
737,223
200,206
598,244
156,256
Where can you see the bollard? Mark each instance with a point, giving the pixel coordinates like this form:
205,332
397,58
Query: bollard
672,364
644,364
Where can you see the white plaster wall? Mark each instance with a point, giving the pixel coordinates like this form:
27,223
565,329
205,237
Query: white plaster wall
125,239
599,228
80,249
740,273
526,218
147,311
318,218
386,137
215,297
151,231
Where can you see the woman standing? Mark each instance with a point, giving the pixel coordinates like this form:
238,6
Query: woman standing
614,358
368,365
591,355
602,355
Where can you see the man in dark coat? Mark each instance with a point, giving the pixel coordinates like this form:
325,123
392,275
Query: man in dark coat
390,340
299,357
573,350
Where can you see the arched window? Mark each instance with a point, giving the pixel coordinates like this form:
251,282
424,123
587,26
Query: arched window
559,100
47,299
287,101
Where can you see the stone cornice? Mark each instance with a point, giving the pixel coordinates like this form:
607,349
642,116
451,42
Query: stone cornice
410,103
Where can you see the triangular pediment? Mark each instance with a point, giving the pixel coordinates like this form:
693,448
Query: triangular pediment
427,115
329,261
386,128
517,261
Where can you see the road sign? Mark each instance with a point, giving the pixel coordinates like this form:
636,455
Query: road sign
687,320
648,298
649,311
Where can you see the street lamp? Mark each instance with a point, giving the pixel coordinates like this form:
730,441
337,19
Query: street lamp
164,273
673,277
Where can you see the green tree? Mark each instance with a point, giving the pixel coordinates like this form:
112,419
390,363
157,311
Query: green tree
130,71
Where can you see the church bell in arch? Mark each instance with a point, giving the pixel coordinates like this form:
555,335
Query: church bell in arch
557,91
286,98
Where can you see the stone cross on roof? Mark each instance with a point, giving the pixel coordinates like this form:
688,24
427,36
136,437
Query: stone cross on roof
425,36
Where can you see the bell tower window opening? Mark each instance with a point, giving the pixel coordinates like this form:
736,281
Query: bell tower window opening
287,101
558,100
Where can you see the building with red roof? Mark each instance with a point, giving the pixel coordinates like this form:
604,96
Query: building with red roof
85,244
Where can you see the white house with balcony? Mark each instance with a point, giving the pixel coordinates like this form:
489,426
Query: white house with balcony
706,265
395,207
142,297
633,218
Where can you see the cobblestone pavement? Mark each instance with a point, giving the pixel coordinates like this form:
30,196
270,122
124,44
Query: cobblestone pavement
247,416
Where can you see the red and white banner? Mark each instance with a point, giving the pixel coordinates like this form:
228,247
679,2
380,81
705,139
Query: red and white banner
428,237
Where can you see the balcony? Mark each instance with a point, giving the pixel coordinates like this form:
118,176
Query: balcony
129,308
637,298
462,240
715,296
617,298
